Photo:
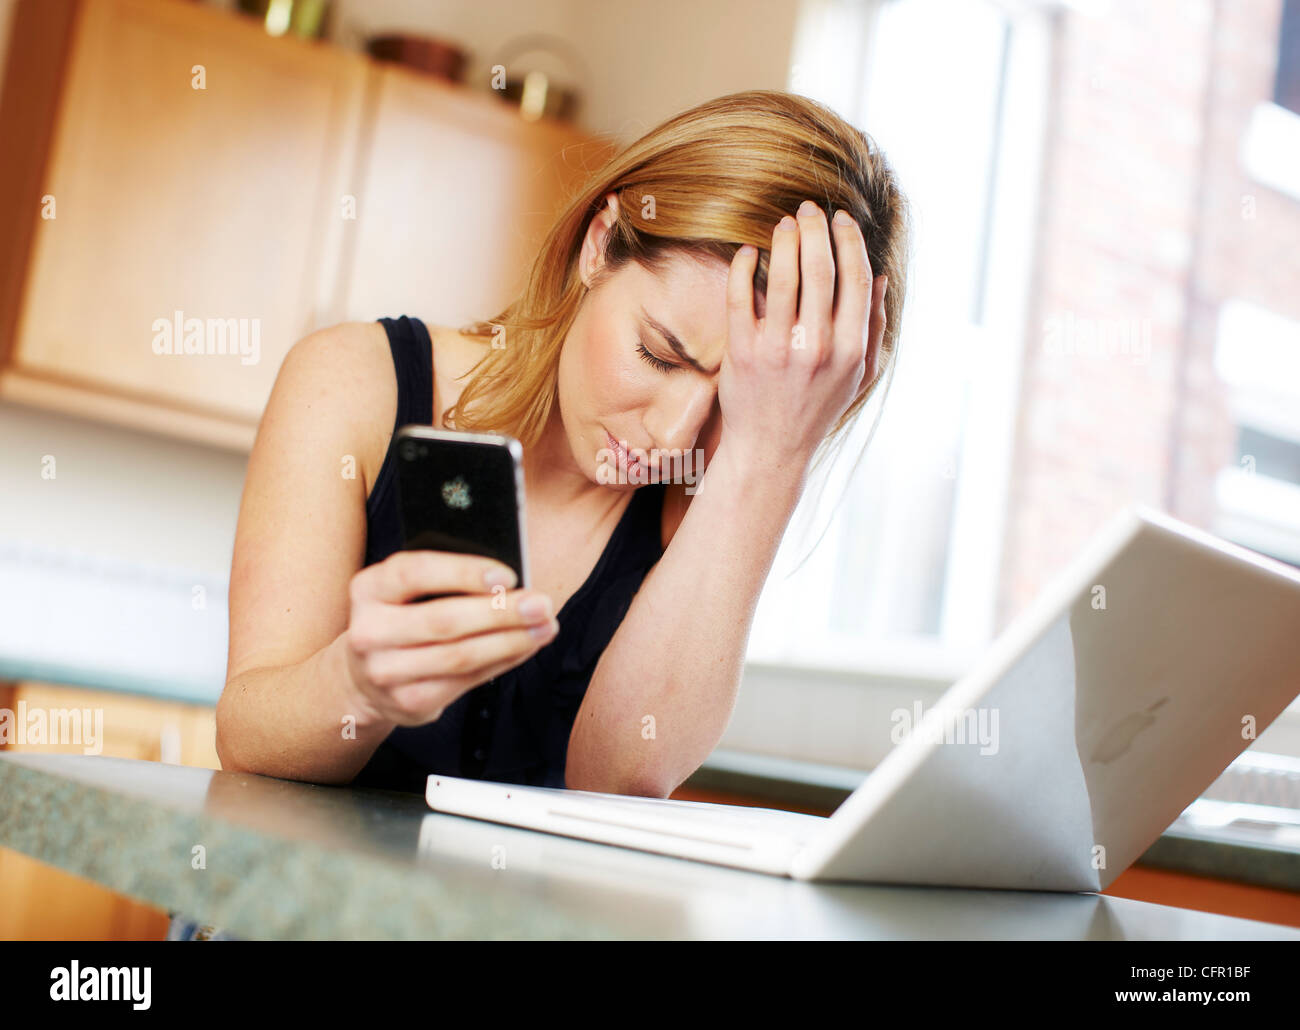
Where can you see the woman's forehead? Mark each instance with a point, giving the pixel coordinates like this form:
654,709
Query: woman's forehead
694,290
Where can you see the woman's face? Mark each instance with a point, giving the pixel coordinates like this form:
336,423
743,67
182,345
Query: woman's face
621,377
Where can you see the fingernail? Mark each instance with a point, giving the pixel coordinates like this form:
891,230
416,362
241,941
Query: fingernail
544,629
499,577
842,217
786,224
807,208
534,607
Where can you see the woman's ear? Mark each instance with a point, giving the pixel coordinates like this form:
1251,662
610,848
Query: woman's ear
593,245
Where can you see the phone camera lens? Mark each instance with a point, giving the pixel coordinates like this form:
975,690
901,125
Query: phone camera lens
408,451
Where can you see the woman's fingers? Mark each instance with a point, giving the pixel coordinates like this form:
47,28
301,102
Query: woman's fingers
396,668
741,328
447,618
405,575
782,287
853,289
434,695
817,282
876,334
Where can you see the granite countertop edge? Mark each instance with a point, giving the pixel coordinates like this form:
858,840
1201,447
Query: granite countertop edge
398,901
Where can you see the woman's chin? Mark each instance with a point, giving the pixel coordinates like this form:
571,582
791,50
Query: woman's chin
609,475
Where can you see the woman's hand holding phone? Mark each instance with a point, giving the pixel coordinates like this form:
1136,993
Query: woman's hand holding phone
408,662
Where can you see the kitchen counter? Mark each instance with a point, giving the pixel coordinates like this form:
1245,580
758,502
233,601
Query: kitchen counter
269,858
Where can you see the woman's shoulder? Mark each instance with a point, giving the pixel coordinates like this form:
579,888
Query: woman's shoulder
356,348
348,364
347,371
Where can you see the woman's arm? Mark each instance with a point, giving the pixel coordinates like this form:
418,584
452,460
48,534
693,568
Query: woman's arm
299,540
288,721
677,655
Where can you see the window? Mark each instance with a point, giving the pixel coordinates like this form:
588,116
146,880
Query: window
1269,455
1270,148
1257,355
907,570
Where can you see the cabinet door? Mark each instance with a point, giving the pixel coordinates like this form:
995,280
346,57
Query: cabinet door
456,193
43,903
118,725
221,203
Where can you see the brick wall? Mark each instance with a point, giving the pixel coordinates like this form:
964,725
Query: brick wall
1141,238
1249,247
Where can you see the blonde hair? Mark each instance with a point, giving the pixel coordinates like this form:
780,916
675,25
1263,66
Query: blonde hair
703,183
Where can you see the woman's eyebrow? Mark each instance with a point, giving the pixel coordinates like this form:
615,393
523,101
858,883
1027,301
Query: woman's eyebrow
671,339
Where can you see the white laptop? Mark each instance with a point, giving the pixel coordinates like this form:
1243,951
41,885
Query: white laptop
1100,714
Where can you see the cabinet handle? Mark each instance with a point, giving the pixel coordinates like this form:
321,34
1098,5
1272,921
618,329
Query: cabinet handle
169,744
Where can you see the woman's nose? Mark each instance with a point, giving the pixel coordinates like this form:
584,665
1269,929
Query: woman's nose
679,419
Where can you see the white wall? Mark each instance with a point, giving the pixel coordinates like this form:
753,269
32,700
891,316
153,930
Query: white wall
117,492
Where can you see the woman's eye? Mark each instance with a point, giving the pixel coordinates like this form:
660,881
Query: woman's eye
659,363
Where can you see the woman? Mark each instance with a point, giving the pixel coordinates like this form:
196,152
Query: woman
675,306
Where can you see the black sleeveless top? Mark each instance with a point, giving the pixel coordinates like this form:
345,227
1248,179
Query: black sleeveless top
514,728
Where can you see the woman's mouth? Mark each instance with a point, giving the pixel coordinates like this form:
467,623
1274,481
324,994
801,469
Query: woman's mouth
627,462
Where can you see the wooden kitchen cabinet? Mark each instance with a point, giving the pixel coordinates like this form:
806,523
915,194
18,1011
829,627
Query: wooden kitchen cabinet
456,195
218,202
134,726
300,185
44,903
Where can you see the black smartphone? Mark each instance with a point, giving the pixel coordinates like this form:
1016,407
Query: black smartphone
462,492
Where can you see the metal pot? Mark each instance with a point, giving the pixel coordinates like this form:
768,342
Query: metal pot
424,54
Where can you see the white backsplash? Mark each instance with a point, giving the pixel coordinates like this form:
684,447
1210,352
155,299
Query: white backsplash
85,619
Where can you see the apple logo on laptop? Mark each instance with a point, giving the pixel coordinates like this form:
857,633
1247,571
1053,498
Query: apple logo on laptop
1119,738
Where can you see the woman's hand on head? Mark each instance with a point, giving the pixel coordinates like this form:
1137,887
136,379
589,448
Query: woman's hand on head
786,378
408,662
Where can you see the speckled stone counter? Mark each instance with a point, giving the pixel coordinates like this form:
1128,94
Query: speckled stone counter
268,858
